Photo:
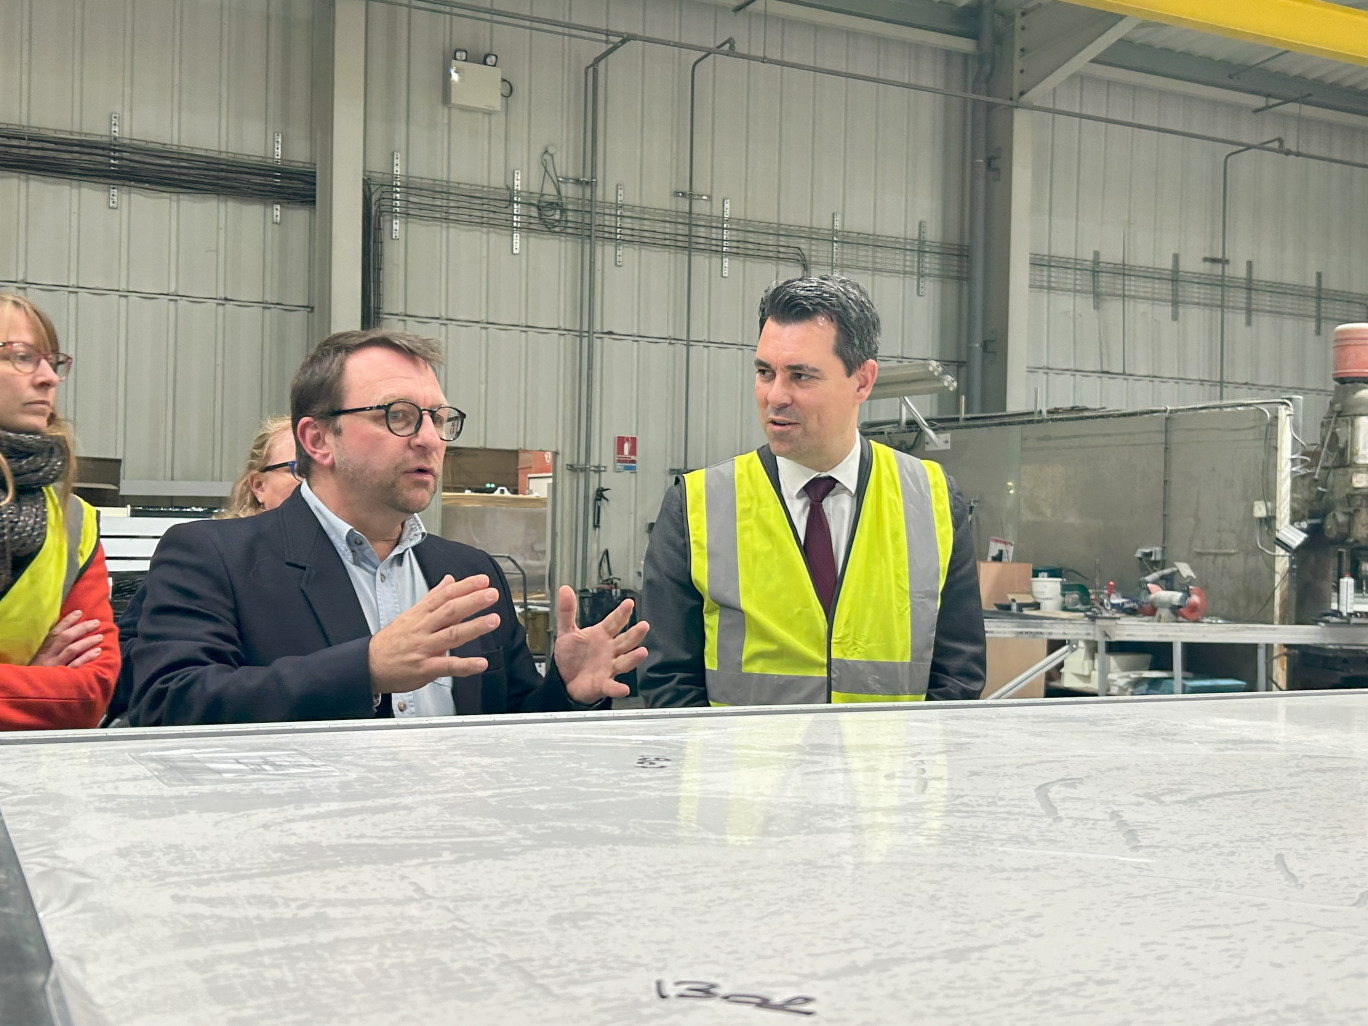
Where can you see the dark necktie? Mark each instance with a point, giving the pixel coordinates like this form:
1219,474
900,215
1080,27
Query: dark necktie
817,548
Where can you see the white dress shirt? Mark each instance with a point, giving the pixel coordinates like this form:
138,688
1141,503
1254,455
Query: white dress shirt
385,589
839,505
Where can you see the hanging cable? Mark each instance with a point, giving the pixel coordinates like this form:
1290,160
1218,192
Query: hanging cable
551,212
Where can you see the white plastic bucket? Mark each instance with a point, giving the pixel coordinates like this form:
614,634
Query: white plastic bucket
1046,591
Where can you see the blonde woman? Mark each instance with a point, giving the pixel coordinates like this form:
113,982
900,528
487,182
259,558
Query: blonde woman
269,477
266,481
55,670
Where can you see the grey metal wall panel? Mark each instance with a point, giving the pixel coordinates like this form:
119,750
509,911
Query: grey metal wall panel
187,314
1087,493
1141,197
779,144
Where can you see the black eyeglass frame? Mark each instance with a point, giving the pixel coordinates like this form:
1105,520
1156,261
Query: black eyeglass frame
287,465
458,419
59,362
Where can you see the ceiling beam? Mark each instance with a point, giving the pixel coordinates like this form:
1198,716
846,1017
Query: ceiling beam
955,28
1314,27
1055,40
1226,75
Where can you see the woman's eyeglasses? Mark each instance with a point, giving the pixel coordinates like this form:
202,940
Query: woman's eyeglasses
287,465
24,358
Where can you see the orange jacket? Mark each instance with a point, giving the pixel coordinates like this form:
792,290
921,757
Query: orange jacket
58,697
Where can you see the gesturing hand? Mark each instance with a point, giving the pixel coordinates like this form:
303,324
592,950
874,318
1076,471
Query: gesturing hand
72,642
411,650
590,657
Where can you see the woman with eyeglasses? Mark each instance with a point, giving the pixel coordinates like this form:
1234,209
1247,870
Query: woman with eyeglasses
269,477
266,481
55,670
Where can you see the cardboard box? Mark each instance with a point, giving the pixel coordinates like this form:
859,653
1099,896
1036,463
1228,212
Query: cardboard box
998,580
1008,657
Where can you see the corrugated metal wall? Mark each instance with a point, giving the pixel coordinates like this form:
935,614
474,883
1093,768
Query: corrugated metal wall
1140,197
783,145
186,314
189,314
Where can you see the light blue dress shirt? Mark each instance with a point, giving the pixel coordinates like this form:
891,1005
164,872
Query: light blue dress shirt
385,589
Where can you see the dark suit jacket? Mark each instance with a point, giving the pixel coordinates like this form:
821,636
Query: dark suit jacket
673,673
256,620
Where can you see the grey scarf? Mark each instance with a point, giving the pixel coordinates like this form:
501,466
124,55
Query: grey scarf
34,461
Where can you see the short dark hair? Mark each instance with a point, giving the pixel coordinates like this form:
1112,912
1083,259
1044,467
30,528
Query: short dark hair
317,385
843,300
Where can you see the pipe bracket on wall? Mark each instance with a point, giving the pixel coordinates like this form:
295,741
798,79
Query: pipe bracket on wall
517,211
114,158
726,236
1173,290
1320,300
836,243
394,210
617,228
921,258
275,158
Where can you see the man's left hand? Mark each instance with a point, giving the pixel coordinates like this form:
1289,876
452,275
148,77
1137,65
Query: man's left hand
590,657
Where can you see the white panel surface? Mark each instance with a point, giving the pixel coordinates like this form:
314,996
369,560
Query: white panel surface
1140,197
1174,861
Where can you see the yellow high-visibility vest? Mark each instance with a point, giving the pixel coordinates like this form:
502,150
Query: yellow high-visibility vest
34,602
767,638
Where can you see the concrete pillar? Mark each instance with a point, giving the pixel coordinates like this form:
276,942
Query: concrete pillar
339,148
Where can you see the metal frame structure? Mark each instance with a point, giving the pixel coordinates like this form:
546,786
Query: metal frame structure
1106,631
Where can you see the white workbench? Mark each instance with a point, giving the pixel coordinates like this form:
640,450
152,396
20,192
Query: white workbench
1107,630
1186,861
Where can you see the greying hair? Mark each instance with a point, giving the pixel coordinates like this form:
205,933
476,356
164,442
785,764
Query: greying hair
843,301
317,385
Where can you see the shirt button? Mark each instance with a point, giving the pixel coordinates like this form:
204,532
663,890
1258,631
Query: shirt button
382,578
403,706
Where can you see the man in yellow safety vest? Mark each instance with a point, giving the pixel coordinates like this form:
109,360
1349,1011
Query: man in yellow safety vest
822,567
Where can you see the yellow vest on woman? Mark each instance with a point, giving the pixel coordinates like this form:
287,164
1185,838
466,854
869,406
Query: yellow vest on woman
34,602
767,638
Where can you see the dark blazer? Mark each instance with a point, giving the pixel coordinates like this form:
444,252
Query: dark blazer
673,673
256,620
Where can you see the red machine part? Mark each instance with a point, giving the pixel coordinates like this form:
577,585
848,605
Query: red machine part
1196,605
1351,352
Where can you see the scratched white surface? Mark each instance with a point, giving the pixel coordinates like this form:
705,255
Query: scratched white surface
1186,862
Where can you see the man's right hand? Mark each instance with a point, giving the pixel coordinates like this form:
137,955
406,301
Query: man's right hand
411,650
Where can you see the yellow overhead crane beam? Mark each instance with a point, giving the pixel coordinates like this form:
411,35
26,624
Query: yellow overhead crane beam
1306,26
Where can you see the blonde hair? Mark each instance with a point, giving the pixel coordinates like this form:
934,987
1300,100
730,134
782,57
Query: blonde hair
46,336
242,501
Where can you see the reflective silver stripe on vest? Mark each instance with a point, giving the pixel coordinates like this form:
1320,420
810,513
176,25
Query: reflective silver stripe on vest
724,582
765,689
74,520
861,677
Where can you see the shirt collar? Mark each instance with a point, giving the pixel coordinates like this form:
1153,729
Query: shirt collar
793,476
350,543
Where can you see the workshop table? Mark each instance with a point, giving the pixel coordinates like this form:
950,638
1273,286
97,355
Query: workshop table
1107,630
1186,861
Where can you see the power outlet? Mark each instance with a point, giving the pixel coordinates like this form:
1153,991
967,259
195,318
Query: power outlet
1261,510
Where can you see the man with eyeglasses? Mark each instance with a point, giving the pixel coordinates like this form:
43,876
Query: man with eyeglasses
338,604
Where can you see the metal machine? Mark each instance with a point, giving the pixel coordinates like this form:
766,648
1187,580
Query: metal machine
1330,495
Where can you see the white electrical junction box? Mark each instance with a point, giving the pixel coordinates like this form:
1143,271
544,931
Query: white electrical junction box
474,87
